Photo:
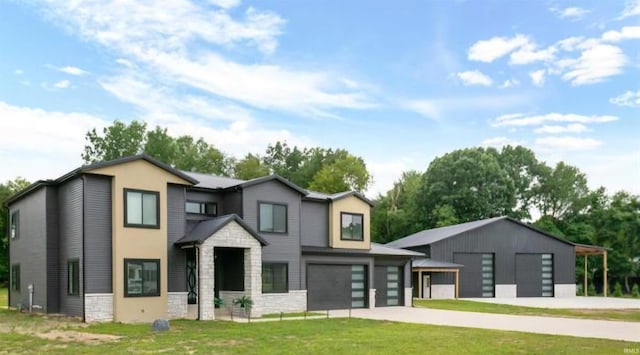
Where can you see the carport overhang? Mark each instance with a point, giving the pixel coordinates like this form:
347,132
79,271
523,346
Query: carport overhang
586,250
427,265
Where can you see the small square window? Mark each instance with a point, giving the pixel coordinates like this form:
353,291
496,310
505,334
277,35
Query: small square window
141,208
142,277
351,226
272,218
73,277
275,278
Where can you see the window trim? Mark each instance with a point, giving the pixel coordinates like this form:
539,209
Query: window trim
15,281
202,211
15,215
76,282
126,277
342,231
142,225
286,217
286,285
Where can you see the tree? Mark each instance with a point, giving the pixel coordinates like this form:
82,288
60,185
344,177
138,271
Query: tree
117,141
525,171
7,189
199,156
160,145
471,184
250,167
348,173
562,190
394,214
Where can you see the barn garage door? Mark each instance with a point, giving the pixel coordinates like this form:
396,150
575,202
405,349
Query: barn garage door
389,286
477,275
534,275
336,286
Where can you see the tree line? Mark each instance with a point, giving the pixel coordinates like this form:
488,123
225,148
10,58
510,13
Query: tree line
478,183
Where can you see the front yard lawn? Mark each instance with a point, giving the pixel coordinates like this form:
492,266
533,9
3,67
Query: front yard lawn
29,334
629,315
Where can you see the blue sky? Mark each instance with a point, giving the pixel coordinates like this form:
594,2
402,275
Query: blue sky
397,84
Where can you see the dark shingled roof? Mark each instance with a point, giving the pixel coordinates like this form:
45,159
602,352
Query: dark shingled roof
376,249
313,195
205,229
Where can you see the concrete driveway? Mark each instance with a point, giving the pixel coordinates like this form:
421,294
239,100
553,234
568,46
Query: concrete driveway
566,302
629,331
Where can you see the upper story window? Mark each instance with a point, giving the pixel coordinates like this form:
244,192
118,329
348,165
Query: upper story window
272,217
141,208
205,208
14,229
352,226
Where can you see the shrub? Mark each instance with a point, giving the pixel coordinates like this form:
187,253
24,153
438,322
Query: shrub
617,290
591,290
634,291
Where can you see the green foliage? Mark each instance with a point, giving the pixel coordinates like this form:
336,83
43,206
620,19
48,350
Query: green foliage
7,189
634,291
562,191
117,141
243,302
591,290
250,167
218,302
617,290
394,214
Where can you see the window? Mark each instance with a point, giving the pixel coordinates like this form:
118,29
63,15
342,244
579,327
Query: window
206,208
351,228
141,209
14,231
272,218
275,278
15,277
142,278
73,277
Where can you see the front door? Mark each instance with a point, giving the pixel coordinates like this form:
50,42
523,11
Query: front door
426,284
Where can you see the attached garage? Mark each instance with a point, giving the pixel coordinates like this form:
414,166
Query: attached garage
331,286
389,283
534,275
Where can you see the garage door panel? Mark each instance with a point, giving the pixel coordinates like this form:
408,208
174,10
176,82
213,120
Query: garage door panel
388,285
336,286
528,275
476,278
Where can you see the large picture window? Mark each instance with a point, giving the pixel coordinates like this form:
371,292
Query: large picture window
205,208
141,208
352,226
142,277
275,278
272,218
14,227
73,277
15,277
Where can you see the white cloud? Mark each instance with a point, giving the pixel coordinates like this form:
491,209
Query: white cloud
385,173
62,84
439,108
595,65
18,72
537,77
529,54
632,8
509,83
520,120
70,70
629,98
570,12
571,128
474,77
567,143
627,32
496,47
499,142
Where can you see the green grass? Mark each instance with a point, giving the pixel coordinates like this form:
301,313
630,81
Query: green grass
628,315
293,315
4,297
22,333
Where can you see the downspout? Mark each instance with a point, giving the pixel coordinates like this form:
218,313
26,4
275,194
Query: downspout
195,245
84,274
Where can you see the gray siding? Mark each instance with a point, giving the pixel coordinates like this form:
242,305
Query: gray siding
53,283
177,274
282,247
98,236
315,224
70,245
505,239
202,196
30,249
231,203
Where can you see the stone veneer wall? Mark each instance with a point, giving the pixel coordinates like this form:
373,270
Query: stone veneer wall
408,296
177,303
231,236
98,307
293,301
372,298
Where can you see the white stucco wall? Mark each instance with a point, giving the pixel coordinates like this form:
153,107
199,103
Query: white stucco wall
443,291
564,290
506,291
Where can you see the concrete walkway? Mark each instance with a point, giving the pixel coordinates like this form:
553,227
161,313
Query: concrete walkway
578,302
629,331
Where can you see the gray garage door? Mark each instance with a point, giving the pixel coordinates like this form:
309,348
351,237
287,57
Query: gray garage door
477,275
534,275
336,286
388,285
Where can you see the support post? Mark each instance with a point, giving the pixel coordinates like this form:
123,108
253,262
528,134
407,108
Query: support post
606,282
585,274
456,283
420,284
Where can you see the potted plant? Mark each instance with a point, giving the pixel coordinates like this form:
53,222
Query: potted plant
245,303
218,302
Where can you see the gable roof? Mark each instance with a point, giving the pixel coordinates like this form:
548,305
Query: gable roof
313,195
207,228
221,183
103,164
274,177
430,236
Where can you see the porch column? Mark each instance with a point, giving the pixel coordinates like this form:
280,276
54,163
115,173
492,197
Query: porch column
585,274
606,283
456,282
420,295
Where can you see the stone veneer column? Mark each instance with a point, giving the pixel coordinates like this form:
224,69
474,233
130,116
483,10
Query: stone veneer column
372,298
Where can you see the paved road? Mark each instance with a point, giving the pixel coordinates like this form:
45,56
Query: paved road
629,331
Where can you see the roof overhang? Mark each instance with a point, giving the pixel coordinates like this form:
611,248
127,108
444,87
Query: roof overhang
585,249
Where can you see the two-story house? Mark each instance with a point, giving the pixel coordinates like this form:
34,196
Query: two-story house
134,239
